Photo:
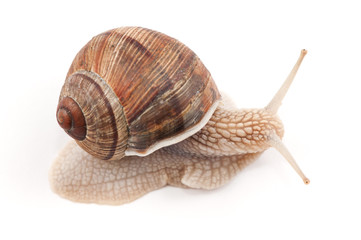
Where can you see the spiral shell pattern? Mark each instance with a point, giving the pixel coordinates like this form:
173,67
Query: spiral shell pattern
161,86
106,128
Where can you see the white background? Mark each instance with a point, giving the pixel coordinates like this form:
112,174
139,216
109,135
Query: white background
249,47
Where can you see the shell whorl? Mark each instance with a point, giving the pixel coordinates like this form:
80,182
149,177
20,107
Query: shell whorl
163,88
89,96
71,118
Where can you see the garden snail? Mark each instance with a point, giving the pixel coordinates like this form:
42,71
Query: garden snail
148,114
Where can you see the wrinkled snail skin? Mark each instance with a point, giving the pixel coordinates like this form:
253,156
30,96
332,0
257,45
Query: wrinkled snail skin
80,177
207,160
233,132
145,101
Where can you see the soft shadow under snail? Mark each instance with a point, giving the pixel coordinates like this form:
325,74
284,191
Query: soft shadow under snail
148,114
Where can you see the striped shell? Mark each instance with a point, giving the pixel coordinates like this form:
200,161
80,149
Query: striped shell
131,91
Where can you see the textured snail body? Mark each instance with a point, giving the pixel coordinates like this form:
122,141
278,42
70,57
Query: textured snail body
137,90
144,99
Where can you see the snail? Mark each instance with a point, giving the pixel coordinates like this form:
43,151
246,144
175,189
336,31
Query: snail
144,112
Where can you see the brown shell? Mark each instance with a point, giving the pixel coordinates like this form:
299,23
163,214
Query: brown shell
94,116
162,86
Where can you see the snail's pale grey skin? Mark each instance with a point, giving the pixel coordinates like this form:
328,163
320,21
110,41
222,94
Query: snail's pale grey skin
230,140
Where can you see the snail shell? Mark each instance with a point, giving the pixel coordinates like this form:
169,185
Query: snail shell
131,91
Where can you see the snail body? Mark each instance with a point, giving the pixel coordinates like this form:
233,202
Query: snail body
148,114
